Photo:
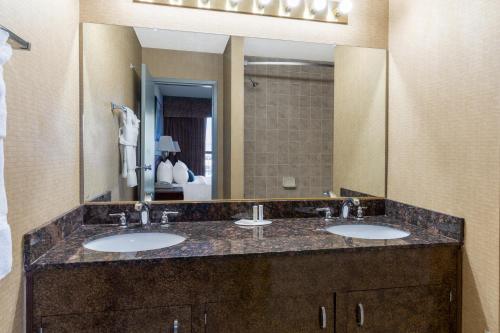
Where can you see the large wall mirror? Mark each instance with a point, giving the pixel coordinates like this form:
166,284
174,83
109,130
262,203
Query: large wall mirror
171,115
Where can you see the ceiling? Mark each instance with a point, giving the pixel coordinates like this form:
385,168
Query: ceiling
181,40
186,91
284,49
212,43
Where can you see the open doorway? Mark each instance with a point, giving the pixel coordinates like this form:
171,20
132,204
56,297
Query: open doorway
186,115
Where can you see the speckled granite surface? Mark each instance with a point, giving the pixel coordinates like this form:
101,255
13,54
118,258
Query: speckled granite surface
435,222
98,213
224,238
345,192
40,240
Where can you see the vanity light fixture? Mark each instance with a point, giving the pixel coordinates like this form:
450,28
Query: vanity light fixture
263,3
291,4
318,6
344,8
329,11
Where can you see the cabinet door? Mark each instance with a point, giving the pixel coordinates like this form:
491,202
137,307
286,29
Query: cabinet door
304,314
157,320
420,309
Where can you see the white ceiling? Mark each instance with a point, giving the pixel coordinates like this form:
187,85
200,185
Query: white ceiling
212,43
186,91
270,48
181,41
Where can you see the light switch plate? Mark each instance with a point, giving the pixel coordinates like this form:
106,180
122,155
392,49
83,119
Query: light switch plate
289,182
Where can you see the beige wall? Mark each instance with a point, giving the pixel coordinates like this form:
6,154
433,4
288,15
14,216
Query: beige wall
108,52
193,66
444,131
233,119
41,149
367,23
359,120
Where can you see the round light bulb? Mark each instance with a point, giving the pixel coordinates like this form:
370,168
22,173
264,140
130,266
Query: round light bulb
318,6
291,4
345,7
263,3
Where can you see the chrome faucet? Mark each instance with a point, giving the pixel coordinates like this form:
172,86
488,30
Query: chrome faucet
345,209
143,207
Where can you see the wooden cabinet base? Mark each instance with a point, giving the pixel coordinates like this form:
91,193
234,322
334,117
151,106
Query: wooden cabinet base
304,314
421,309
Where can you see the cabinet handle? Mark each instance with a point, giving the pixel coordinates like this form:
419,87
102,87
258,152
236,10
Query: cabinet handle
176,326
360,315
323,317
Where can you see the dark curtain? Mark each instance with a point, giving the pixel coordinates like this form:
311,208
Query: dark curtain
190,133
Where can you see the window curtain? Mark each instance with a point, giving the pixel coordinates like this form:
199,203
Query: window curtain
190,133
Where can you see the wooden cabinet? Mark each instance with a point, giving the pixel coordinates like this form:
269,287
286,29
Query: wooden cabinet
303,314
256,294
421,309
173,319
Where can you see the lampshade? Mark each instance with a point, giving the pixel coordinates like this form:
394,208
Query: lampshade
177,148
165,144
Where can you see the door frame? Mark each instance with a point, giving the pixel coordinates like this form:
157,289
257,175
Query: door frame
215,134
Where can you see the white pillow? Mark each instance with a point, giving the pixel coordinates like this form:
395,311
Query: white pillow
164,173
181,175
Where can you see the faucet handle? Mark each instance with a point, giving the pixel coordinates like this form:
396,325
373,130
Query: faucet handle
123,218
327,210
360,213
164,217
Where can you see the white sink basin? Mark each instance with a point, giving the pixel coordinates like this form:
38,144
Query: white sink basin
134,242
367,231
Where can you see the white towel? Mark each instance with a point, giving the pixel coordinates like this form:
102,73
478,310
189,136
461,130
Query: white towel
5,235
129,132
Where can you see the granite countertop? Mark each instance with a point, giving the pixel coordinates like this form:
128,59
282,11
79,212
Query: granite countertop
224,238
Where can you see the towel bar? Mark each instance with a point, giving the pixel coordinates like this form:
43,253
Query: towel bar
18,42
117,106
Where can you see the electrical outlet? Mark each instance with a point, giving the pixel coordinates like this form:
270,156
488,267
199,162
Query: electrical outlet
289,182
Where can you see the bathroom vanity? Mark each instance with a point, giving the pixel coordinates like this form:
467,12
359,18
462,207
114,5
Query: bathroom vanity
290,276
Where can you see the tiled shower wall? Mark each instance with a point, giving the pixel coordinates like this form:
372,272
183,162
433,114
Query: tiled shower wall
288,130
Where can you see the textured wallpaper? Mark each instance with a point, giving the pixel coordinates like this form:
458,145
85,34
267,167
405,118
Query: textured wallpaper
444,131
108,52
359,133
41,149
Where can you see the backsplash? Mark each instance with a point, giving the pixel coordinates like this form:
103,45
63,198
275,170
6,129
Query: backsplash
344,192
40,240
288,130
437,223
225,210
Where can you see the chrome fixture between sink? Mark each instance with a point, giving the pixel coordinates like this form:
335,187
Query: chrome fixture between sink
144,207
345,210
